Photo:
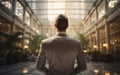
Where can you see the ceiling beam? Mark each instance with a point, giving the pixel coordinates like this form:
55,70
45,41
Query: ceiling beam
60,1
61,9
65,13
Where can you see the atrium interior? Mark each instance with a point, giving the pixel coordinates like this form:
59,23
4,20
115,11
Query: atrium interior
24,23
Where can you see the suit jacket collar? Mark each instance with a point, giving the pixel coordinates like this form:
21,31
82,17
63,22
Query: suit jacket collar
63,34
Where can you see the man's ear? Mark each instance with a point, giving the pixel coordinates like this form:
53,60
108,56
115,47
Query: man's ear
55,26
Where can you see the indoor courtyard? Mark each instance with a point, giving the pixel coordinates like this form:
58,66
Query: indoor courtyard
25,23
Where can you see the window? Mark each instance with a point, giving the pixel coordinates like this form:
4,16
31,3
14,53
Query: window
5,27
27,18
112,3
7,3
93,18
114,26
102,39
87,26
84,27
33,25
19,10
37,29
93,40
101,10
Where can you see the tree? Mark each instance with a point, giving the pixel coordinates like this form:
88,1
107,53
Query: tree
10,47
84,41
13,39
9,43
35,43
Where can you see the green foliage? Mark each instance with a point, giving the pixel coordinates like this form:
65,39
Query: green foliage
35,43
13,39
84,41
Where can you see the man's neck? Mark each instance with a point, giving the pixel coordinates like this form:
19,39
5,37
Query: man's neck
61,31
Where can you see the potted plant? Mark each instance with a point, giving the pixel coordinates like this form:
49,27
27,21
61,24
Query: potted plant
84,41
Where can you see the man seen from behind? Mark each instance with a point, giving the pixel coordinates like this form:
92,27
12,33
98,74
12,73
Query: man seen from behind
61,52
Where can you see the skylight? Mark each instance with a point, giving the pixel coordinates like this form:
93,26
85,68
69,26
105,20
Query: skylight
47,10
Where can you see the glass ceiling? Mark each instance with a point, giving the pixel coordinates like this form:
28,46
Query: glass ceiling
47,10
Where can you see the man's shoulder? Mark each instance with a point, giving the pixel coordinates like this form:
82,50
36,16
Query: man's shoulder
73,40
55,38
76,40
48,39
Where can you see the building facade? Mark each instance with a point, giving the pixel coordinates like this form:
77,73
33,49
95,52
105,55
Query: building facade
102,27
17,16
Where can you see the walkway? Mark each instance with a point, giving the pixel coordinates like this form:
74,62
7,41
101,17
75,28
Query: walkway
28,68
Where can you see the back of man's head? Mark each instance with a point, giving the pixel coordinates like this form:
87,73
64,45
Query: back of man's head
61,22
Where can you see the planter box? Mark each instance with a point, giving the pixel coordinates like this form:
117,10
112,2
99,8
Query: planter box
105,58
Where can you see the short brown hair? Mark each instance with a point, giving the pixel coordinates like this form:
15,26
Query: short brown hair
61,22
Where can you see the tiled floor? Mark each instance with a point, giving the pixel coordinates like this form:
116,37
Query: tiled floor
28,68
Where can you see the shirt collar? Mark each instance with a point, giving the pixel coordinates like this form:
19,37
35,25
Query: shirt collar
61,34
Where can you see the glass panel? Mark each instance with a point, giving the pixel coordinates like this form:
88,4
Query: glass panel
27,18
75,11
101,10
37,29
93,18
93,40
33,24
60,5
102,39
112,3
5,27
49,9
7,3
115,37
88,24
57,11
19,10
